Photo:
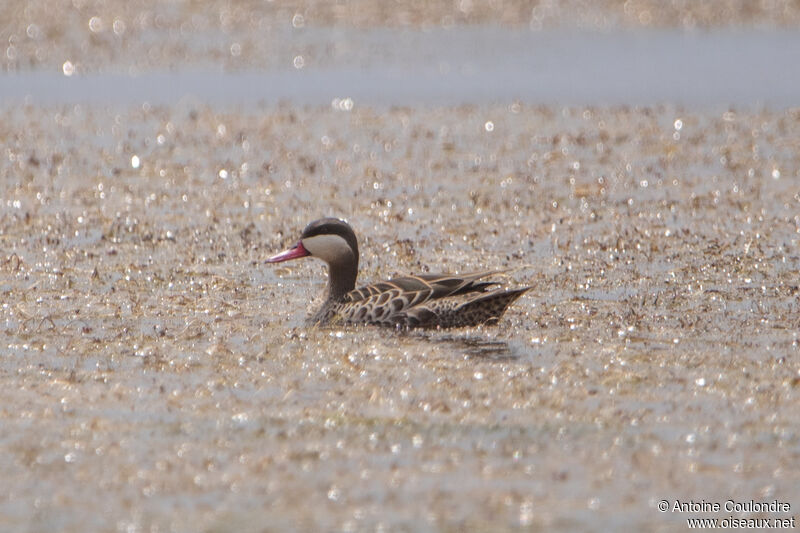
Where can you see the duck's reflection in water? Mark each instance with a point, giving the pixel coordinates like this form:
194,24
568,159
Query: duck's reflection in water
474,347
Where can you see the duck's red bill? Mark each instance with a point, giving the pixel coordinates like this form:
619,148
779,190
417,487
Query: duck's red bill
292,253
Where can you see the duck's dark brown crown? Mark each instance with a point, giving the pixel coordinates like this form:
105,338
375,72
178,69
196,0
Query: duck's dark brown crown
332,226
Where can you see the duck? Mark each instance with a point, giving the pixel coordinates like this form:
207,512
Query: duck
412,301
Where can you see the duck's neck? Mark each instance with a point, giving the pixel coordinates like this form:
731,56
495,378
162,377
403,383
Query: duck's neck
341,278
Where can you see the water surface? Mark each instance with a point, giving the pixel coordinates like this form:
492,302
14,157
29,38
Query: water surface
465,65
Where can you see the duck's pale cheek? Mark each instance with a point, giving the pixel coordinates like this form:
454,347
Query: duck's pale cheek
327,247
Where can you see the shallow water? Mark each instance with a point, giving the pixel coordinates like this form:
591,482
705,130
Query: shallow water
159,376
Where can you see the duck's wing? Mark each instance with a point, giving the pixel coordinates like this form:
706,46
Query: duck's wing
388,302
456,285
485,308
432,285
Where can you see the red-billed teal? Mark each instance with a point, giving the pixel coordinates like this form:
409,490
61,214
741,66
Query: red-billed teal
428,300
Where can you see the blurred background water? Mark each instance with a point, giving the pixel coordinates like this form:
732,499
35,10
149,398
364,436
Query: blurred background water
611,56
